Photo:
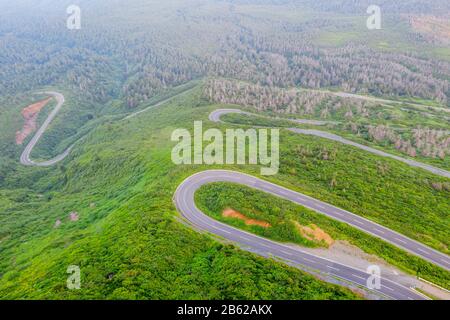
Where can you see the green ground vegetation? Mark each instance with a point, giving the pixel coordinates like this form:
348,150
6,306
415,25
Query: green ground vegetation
128,240
285,218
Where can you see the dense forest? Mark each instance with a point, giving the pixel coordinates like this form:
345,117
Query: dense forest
107,60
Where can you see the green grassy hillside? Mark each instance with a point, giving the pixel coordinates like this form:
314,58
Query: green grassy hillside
284,217
108,207
128,240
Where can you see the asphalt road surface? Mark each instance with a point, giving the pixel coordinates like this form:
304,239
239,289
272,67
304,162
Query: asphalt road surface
25,157
215,117
380,100
184,201
134,114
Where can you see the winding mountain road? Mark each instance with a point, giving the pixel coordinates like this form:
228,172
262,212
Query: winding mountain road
215,117
185,203
25,157
184,199
26,154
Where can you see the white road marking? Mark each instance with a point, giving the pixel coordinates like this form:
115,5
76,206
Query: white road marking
421,250
400,240
333,268
321,263
359,277
228,232
388,288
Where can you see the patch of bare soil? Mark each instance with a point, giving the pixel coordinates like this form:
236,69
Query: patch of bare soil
230,213
30,115
314,233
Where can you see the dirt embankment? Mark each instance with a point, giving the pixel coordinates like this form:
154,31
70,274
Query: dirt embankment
314,233
30,115
230,213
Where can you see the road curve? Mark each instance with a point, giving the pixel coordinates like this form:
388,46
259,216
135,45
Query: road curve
215,117
25,157
185,203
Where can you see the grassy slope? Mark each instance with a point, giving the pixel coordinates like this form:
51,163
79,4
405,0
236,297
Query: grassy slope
12,121
391,38
125,169
382,190
411,122
127,242
282,215
78,117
